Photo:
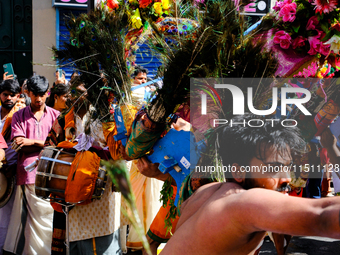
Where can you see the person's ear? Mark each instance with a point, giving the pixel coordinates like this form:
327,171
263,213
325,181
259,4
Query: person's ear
55,96
237,174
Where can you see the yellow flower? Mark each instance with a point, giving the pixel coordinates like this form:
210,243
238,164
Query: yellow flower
165,4
135,19
158,8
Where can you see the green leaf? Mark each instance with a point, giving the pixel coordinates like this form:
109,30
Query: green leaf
296,29
327,36
324,26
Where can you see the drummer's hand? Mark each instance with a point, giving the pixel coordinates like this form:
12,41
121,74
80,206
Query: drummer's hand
20,142
123,153
151,170
328,140
2,155
7,77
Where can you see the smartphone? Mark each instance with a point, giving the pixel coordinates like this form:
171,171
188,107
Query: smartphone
9,69
60,71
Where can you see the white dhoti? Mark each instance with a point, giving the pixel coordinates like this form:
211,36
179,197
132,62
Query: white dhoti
5,216
147,193
30,227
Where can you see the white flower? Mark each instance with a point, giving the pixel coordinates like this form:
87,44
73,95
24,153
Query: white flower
335,44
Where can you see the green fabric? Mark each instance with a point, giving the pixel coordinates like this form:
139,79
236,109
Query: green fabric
141,140
156,238
184,193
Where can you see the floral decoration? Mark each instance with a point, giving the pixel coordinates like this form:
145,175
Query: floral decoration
308,26
141,11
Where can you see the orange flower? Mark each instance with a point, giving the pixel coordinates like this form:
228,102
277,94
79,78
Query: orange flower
144,3
112,4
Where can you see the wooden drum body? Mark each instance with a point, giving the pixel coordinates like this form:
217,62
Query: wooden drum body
52,174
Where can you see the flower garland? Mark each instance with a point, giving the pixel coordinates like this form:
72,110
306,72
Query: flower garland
154,9
310,27
139,10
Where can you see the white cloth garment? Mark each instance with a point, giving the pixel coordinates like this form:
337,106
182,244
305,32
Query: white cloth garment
38,227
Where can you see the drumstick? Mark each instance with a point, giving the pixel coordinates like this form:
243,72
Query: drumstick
14,145
18,149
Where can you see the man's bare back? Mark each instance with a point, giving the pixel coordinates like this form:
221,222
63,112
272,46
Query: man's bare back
196,232
223,218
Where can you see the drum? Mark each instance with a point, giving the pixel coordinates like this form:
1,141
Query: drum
6,189
52,173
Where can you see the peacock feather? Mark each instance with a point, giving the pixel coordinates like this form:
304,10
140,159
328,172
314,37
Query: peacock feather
217,48
96,51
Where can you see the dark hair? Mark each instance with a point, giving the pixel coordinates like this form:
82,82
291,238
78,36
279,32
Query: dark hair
37,84
10,85
240,143
59,89
139,69
27,99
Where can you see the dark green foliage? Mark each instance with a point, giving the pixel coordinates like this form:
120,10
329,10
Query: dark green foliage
216,49
96,50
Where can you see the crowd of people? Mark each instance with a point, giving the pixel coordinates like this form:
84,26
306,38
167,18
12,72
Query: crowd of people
36,115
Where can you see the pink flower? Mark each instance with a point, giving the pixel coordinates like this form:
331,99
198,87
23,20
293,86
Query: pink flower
324,6
298,42
317,46
324,49
312,23
278,6
310,71
314,44
288,12
283,38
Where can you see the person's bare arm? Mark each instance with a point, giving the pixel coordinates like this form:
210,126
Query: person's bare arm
151,170
2,154
27,145
328,141
267,210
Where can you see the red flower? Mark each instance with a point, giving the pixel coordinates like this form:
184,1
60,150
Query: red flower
282,38
298,42
325,6
336,26
112,4
144,3
312,23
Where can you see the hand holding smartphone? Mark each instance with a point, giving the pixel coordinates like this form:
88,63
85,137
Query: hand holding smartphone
60,71
9,71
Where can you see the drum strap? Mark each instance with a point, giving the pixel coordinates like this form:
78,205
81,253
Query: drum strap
56,160
51,190
63,177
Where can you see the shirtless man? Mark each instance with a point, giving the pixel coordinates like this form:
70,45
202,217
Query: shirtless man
233,217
